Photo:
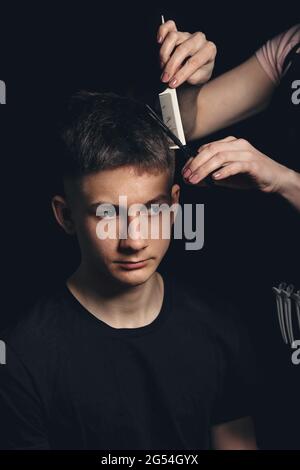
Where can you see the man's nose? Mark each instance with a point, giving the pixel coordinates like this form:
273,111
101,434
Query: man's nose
136,234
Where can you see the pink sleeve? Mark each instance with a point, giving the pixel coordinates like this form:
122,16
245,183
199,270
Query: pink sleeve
272,54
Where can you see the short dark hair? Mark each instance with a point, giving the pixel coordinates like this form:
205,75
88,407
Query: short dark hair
100,131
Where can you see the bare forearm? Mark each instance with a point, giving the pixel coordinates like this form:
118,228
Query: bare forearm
225,100
290,188
234,435
188,99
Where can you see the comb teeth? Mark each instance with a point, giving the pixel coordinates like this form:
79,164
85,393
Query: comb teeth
186,150
172,136
171,113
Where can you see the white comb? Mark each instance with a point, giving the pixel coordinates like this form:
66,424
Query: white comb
171,114
170,111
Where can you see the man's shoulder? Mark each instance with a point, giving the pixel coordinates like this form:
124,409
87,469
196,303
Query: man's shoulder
39,323
204,306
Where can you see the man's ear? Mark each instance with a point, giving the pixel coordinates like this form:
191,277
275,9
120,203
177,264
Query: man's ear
175,193
62,214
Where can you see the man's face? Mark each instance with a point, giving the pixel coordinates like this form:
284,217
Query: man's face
115,257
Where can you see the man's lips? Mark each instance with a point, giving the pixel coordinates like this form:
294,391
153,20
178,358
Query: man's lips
133,264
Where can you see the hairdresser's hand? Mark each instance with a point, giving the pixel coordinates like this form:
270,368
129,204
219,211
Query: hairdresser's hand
235,163
184,57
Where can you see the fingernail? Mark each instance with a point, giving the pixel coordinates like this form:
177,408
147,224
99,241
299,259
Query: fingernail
165,77
187,172
193,178
159,39
173,82
216,175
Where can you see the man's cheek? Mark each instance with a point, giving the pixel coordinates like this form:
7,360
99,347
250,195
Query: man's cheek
88,237
108,229
160,247
160,227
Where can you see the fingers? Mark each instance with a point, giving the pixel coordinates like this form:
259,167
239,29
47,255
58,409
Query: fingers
212,164
172,40
221,161
232,169
230,138
197,69
164,29
185,56
227,139
186,165
187,45
205,152
231,162
188,162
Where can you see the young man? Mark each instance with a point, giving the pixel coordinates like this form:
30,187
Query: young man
121,357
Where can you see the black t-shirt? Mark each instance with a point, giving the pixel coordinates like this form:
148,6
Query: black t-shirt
71,381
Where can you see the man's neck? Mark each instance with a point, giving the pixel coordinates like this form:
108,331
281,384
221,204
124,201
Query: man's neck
131,307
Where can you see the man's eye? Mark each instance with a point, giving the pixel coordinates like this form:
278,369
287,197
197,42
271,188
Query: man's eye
154,209
107,212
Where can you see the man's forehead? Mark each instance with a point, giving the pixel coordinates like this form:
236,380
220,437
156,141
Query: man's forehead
163,198
137,187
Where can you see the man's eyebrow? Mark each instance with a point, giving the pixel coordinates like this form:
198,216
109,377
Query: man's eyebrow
156,200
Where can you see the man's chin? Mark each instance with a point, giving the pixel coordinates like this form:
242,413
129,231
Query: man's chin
132,277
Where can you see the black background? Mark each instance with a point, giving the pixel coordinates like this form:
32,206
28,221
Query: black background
50,50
